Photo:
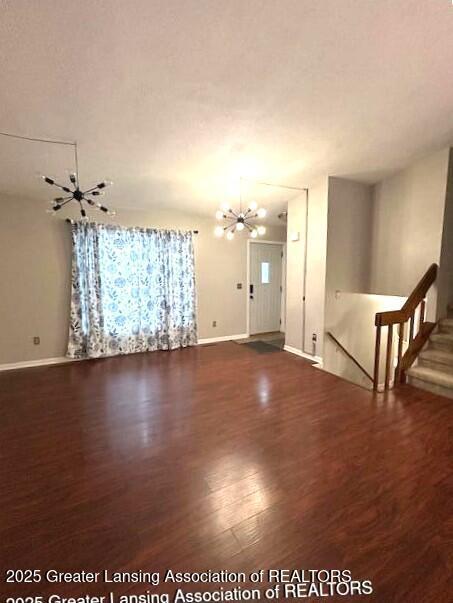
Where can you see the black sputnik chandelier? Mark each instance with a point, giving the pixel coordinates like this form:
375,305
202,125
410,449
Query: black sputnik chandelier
76,194
73,192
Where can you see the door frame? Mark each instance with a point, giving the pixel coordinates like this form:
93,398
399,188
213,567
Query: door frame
283,292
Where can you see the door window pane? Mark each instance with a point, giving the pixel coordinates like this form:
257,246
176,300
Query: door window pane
265,273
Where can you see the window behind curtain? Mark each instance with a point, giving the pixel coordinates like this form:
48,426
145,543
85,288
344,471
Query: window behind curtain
133,290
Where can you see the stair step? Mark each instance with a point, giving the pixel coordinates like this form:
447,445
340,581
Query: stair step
442,341
446,325
437,359
437,382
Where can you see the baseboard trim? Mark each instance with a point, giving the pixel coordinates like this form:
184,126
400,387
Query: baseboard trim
297,352
31,363
225,338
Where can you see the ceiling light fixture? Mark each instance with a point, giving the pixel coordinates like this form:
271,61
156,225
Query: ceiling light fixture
240,220
74,193
78,195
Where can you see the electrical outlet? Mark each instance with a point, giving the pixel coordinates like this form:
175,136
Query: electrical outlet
239,286
214,323
314,337
36,340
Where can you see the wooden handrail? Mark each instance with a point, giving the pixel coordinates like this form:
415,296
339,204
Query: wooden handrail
400,317
349,355
396,317
415,347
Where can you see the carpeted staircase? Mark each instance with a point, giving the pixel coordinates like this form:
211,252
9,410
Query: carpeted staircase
434,370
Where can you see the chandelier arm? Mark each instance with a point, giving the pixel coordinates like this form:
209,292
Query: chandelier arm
90,190
61,199
82,210
60,186
65,202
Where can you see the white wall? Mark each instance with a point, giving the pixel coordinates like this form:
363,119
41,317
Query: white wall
295,265
35,261
408,216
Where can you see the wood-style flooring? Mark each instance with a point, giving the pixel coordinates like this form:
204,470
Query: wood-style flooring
218,457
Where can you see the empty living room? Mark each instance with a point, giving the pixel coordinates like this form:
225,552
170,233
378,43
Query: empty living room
226,309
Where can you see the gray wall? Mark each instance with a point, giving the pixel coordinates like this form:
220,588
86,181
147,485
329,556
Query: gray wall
35,260
295,262
349,231
408,218
309,254
316,266
445,289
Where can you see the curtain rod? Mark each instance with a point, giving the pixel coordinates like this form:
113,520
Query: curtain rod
69,221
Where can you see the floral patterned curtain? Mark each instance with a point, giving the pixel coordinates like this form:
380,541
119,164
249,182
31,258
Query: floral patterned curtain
133,290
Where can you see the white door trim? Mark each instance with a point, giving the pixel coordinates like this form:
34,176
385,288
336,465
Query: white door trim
251,242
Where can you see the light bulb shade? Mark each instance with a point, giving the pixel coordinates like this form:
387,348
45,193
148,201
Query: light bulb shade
240,226
105,183
253,205
225,207
218,231
254,233
261,212
230,235
219,214
261,230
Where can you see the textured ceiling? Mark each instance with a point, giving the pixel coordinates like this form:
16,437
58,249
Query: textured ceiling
174,100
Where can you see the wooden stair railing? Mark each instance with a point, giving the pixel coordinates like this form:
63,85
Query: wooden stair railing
401,317
350,356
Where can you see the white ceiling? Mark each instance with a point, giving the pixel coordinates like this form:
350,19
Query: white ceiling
175,99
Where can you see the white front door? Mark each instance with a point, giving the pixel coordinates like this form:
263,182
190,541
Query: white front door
265,287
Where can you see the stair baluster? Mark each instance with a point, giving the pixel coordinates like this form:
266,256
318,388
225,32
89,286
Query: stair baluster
416,340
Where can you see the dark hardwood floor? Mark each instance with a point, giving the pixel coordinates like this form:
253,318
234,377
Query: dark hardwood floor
218,457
